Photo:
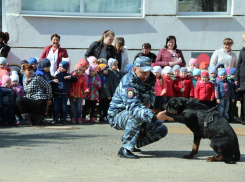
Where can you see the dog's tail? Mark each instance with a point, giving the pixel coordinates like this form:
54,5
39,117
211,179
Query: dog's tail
234,159
237,155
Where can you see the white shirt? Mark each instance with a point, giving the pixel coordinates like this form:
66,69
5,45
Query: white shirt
53,56
228,58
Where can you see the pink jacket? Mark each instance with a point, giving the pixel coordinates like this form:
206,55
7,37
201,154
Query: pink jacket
164,57
94,90
62,53
160,87
19,90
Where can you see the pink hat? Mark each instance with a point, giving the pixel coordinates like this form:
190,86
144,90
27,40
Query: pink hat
91,59
77,66
92,67
5,78
193,61
228,71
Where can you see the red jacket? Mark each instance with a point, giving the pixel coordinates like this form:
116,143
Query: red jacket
170,87
62,53
159,88
77,88
183,83
204,91
164,57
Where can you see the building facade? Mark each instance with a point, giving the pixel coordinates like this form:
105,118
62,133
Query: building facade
199,25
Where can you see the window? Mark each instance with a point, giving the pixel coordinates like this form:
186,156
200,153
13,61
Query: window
1,16
204,7
107,8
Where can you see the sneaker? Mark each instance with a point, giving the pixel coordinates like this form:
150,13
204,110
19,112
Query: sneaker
83,120
92,119
73,121
243,123
79,120
64,122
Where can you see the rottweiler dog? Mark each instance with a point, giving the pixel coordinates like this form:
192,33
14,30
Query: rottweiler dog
206,123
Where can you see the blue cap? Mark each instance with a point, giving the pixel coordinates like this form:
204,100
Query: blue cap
222,71
232,71
219,64
183,69
32,60
45,63
212,69
23,62
196,72
64,64
144,63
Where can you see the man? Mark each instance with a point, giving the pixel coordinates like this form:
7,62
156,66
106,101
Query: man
146,48
129,109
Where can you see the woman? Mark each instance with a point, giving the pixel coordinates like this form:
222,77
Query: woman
170,55
102,48
54,53
38,94
240,76
225,55
4,49
121,53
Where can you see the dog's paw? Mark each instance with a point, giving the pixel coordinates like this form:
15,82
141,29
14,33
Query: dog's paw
188,156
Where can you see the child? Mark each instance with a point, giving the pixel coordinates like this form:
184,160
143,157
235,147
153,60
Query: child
114,76
183,87
167,71
223,93
44,70
204,91
232,107
77,93
94,84
19,92
33,61
21,75
193,63
160,88
196,77
212,74
65,60
219,65
104,93
8,97
175,75
3,67
61,90
92,60
204,66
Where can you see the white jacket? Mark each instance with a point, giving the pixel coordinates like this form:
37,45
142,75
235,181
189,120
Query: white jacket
125,60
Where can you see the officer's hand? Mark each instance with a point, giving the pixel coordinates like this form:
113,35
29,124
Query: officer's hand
147,105
162,116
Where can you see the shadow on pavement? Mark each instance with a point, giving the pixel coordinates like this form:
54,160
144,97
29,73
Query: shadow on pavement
180,154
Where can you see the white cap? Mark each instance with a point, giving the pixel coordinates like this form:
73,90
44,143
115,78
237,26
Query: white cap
14,76
167,69
66,59
157,69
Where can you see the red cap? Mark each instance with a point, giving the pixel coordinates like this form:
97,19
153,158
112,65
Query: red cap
83,62
204,73
203,65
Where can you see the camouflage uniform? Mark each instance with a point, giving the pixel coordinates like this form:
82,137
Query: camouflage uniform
127,111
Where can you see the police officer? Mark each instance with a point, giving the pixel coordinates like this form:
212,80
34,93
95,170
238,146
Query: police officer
129,109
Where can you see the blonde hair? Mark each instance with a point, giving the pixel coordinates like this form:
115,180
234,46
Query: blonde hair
243,35
228,41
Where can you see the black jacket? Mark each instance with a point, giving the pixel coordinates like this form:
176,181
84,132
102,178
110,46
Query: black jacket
4,49
240,69
95,50
151,55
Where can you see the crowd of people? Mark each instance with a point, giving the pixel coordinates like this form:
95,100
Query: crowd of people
44,85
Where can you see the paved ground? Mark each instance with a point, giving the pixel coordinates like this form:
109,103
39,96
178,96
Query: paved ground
89,154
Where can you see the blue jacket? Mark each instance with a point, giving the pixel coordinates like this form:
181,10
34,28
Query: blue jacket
223,89
63,86
131,95
42,73
7,96
234,86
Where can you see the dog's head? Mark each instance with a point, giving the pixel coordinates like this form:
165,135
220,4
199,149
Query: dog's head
177,105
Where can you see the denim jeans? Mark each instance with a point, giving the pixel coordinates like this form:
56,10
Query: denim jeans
7,114
60,100
223,108
76,106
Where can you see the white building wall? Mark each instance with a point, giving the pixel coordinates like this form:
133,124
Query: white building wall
28,35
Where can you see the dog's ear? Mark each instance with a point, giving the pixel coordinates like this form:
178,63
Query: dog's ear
196,105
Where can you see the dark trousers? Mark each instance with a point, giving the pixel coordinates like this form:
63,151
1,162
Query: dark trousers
26,105
60,100
7,115
104,106
89,104
158,103
207,103
17,112
232,110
